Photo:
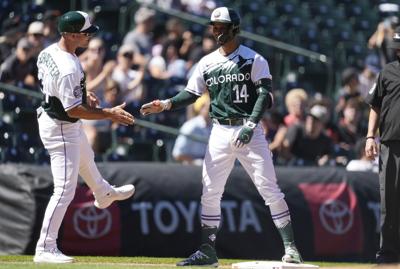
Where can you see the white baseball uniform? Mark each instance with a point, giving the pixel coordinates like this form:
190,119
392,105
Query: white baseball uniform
63,84
230,81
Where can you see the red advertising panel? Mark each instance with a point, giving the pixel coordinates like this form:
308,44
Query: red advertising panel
89,230
336,218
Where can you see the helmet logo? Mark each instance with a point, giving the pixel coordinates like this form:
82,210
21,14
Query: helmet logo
217,14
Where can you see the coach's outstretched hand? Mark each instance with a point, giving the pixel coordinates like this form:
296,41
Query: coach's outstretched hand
155,106
118,115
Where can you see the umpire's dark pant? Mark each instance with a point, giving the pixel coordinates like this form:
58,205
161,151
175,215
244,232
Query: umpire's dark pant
389,182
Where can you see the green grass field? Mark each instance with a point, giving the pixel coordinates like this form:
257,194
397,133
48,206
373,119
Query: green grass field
86,262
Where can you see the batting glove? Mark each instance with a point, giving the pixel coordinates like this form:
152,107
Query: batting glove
155,106
245,134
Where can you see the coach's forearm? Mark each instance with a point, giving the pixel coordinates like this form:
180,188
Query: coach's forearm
83,111
182,99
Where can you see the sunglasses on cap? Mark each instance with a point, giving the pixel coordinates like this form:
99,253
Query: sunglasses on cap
82,34
87,34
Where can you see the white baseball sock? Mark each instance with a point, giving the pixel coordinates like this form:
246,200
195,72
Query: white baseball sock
280,213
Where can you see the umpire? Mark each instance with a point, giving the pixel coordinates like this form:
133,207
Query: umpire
384,100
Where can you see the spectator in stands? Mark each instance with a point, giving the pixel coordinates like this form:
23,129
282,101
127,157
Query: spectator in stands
95,68
295,101
20,67
185,149
12,30
361,162
50,31
157,66
348,127
96,72
35,36
111,93
141,35
381,39
350,88
176,66
207,45
369,74
175,29
184,39
169,64
99,133
306,144
199,7
169,70
128,79
275,131
164,4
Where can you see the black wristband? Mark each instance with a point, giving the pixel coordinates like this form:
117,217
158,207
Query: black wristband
370,137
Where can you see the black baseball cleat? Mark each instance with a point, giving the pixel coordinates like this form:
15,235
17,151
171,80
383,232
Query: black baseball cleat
205,256
382,259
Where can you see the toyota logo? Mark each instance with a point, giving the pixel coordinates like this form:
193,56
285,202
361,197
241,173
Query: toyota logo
92,223
336,216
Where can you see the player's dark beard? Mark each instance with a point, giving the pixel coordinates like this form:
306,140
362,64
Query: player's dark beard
224,37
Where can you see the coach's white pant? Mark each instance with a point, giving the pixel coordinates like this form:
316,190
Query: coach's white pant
219,160
70,155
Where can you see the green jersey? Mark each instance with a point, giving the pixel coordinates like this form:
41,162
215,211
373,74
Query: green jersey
230,81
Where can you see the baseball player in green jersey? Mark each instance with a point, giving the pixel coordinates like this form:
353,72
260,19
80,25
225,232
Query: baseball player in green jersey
239,83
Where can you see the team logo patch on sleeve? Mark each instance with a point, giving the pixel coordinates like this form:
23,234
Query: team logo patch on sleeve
77,91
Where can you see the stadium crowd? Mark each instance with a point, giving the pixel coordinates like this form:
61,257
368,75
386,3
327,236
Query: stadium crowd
154,60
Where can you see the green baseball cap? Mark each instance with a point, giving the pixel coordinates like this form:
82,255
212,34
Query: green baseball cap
76,22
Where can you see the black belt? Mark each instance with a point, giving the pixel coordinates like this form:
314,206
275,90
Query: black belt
231,122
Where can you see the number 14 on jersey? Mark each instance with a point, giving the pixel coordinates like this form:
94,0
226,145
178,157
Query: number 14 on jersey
240,94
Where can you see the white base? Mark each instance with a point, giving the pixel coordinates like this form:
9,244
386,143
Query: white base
271,265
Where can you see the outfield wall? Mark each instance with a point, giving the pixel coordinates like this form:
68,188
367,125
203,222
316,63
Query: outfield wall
335,213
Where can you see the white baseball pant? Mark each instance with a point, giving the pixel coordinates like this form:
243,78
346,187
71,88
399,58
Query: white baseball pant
255,158
70,155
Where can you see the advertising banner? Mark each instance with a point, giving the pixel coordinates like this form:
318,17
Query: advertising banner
335,214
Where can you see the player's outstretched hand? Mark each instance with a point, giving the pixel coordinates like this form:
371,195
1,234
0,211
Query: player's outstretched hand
155,106
120,116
